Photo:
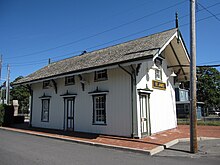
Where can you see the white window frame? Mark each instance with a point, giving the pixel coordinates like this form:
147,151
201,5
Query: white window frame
99,109
45,110
158,72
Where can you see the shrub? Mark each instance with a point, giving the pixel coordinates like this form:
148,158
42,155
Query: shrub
6,114
1,114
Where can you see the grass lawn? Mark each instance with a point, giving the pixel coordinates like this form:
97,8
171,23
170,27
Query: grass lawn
199,122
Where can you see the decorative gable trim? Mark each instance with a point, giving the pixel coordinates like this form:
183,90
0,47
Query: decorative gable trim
98,92
67,94
44,97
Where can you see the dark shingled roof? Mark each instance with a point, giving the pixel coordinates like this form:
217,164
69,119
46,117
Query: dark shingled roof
124,52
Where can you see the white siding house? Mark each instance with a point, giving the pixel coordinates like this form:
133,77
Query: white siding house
124,90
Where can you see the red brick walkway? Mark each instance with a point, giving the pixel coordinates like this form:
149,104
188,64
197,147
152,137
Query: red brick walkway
147,143
159,139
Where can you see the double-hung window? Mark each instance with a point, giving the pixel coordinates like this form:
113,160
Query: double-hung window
158,72
101,75
69,80
45,110
99,109
46,84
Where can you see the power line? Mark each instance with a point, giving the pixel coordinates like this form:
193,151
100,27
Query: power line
44,60
208,11
130,35
93,47
129,9
123,38
209,62
103,44
208,66
199,20
97,34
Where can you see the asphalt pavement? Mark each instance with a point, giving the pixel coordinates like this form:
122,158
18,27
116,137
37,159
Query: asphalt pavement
206,148
17,148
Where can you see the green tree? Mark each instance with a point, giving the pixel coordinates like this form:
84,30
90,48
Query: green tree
20,93
208,86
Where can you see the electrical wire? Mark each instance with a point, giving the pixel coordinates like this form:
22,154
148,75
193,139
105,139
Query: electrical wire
156,26
199,20
208,11
37,62
210,62
131,35
72,53
208,66
97,34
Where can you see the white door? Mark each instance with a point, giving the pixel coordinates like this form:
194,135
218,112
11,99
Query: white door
69,110
144,118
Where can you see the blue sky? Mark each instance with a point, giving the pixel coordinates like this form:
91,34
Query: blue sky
32,31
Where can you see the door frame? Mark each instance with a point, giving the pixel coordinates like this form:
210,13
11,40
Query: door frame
147,104
65,122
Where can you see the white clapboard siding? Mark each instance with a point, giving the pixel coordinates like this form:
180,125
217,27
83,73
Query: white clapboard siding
118,104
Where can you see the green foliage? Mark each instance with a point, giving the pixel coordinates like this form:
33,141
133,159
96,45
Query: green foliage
1,113
208,87
199,122
20,93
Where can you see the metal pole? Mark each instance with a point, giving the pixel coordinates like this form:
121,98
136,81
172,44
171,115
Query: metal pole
2,102
8,86
0,67
193,116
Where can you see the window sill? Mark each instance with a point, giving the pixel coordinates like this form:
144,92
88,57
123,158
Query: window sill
69,84
45,121
99,124
101,80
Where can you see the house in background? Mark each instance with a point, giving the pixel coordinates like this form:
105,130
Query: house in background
124,90
183,105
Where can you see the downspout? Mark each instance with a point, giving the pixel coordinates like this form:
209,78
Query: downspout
134,73
132,99
31,105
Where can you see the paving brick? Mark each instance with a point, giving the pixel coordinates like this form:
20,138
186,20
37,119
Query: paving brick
148,143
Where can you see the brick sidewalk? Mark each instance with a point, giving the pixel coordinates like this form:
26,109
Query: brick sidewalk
146,144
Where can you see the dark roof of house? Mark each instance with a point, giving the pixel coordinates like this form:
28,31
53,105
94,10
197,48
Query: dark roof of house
137,49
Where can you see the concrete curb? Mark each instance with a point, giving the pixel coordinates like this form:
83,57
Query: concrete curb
199,139
61,137
156,150
171,143
147,152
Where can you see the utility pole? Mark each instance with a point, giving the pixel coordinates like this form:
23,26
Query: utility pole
193,116
2,99
8,86
1,67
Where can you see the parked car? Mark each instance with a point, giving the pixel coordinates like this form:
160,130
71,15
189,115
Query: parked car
217,113
214,112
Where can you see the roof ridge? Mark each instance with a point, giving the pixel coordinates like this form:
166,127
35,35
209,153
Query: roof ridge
136,49
80,55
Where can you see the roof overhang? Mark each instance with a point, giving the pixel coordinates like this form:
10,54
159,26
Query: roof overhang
177,56
164,46
89,70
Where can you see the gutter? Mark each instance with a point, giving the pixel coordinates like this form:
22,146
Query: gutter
81,71
31,105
